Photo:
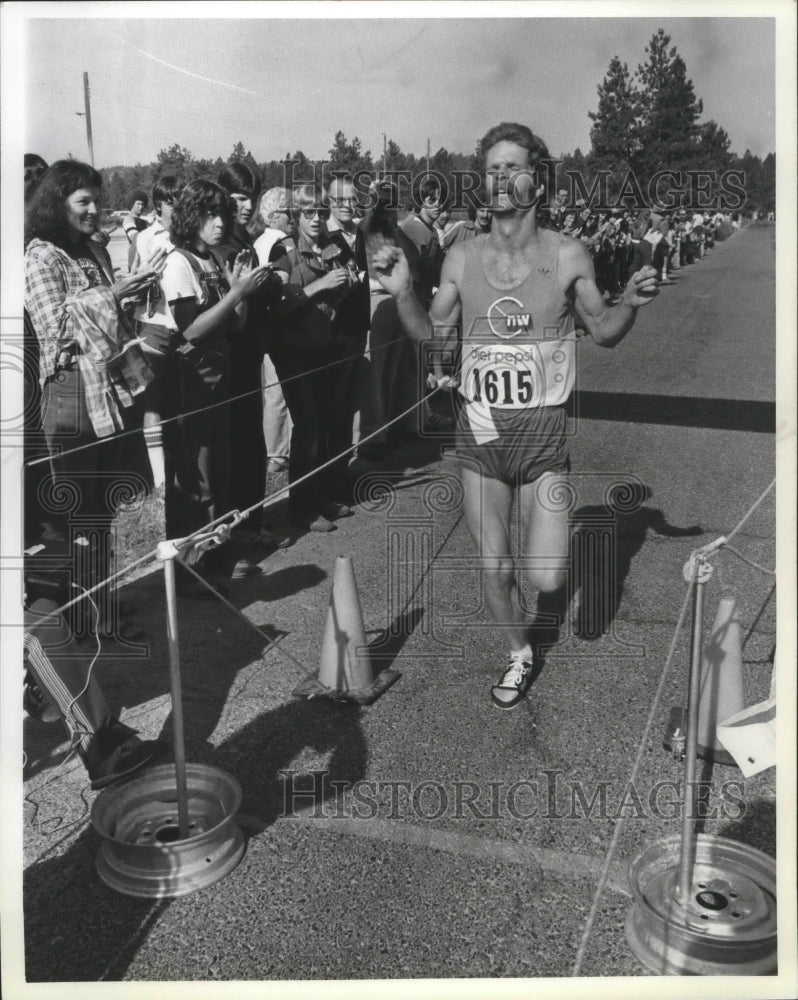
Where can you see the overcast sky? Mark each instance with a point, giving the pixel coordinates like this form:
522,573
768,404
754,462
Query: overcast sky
281,85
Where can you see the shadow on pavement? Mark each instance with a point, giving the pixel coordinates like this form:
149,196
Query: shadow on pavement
603,544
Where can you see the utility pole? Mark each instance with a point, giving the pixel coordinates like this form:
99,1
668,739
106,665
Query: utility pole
427,155
86,96
384,152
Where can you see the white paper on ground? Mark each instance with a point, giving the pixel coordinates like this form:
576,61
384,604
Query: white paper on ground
750,735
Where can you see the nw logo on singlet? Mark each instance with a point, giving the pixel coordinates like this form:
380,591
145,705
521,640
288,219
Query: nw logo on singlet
506,319
518,322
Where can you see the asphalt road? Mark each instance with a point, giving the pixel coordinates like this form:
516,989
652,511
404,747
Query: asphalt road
479,855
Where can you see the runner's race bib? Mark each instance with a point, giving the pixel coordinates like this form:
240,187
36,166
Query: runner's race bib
517,377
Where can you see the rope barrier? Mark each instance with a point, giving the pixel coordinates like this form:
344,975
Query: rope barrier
211,406
698,555
213,531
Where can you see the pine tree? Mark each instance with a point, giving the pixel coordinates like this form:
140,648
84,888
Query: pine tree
669,110
614,135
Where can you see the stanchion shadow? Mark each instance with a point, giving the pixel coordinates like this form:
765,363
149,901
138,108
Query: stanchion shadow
604,541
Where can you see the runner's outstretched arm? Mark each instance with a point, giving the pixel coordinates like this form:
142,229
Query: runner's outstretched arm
391,268
607,325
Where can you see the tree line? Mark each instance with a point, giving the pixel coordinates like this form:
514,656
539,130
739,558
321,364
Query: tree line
646,127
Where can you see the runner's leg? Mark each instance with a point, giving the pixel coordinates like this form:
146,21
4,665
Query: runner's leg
488,503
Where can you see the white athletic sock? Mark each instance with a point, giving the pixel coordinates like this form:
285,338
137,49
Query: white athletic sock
522,654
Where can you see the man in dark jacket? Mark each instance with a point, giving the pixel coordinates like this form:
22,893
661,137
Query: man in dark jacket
350,323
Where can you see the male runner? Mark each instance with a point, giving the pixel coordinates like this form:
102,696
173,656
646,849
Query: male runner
518,293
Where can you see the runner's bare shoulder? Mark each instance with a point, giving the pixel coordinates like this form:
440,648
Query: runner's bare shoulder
574,258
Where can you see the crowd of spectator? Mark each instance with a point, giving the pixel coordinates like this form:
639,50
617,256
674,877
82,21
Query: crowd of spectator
250,345
621,241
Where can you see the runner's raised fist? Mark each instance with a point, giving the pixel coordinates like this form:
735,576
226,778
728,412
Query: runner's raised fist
389,266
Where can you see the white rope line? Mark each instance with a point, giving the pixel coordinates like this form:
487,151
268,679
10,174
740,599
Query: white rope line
211,406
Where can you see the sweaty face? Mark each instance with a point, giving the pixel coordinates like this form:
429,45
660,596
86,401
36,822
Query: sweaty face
509,178
83,210
243,208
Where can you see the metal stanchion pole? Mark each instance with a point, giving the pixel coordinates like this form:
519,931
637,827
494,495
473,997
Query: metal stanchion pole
703,572
167,553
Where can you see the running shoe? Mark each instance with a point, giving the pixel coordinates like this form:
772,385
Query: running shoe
513,684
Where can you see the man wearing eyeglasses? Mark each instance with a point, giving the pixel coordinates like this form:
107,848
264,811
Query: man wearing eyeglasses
350,323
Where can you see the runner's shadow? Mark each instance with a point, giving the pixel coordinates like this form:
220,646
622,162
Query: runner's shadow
605,539
263,756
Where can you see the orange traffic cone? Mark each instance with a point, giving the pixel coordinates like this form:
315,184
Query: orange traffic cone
345,672
721,682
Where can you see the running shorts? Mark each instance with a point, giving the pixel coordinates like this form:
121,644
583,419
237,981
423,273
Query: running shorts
530,442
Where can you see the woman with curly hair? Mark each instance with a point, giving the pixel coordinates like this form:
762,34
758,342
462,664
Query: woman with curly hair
207,301
91,371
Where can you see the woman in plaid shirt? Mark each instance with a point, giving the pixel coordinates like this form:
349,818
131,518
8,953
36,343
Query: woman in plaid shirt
91,370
